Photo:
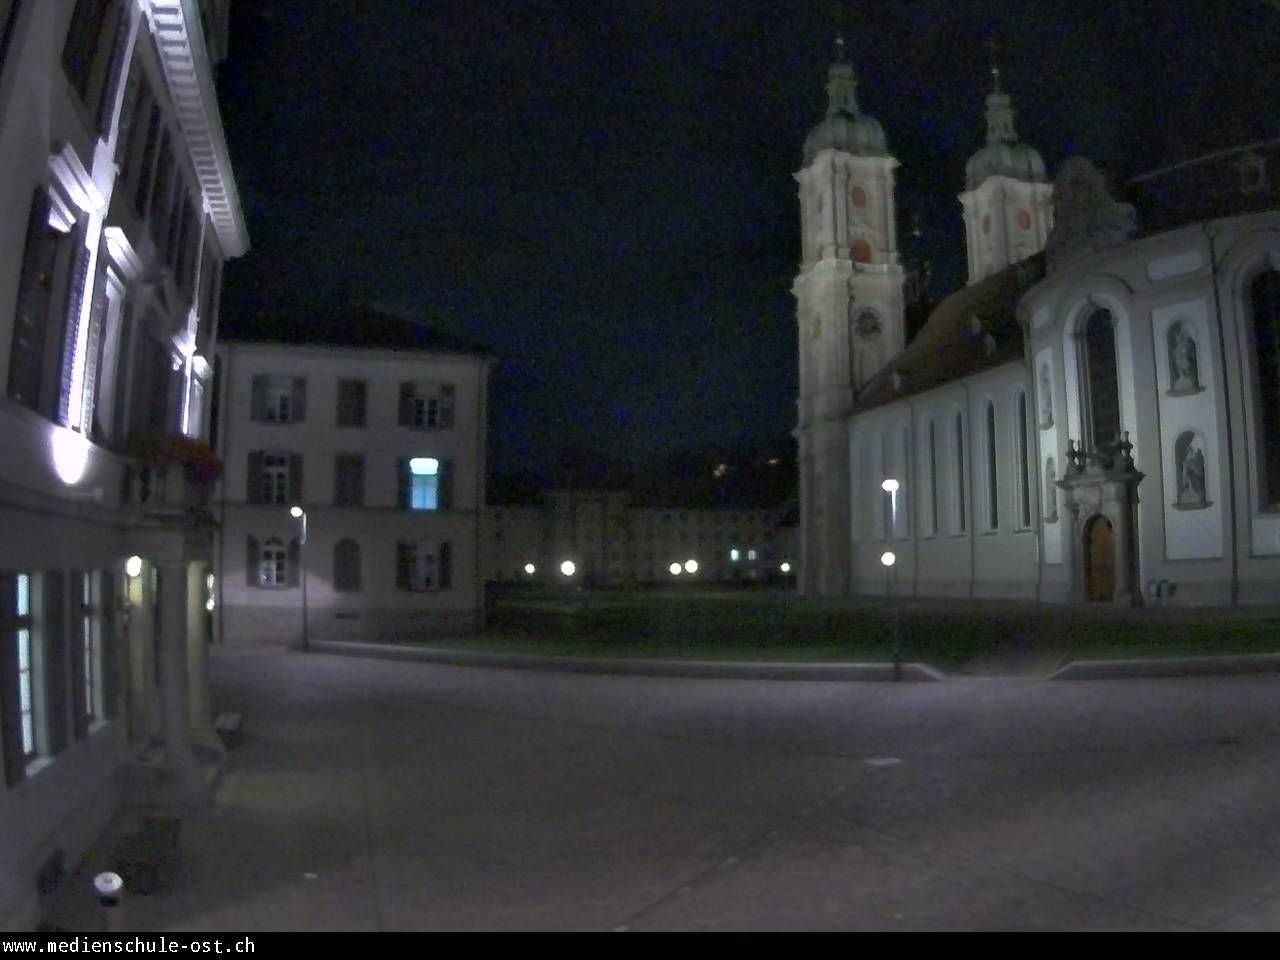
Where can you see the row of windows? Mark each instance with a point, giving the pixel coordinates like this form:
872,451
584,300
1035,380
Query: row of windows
422,566
57,637
423,405
423,483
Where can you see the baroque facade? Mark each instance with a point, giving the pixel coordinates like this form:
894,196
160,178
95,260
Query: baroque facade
118,207
1094,418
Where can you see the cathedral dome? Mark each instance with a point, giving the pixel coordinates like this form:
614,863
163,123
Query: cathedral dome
1019,161
854,133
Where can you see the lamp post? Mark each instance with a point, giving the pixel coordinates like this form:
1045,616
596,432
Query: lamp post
301,515
890,561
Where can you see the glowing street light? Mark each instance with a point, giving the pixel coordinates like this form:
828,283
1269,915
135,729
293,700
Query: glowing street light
530,569
888,558
568,568
301,516
890,486
691,566
133,567
675,569
785,568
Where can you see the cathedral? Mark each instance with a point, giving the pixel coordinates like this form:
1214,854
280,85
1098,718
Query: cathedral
1093,418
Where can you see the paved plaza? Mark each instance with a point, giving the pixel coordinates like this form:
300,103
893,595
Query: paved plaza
371,794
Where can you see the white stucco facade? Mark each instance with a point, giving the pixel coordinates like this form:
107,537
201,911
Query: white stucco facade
118,208
349,464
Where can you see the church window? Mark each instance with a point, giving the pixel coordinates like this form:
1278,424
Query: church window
1024,480
1103,393
961,514
993,472
1265,296
932,515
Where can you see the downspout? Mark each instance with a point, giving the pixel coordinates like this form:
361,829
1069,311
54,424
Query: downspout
224,435
1226,402
971,511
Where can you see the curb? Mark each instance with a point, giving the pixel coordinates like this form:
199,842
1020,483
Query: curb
694,669
1173,667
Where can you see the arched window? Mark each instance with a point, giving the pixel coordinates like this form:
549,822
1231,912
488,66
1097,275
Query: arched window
1103,392
932,515
961,517
993,486
346,566
1265,296
1024,480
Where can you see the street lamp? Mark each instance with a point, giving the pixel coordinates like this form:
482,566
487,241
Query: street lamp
890,486
691,566
890,561
675,569
568,568
301,515
530,569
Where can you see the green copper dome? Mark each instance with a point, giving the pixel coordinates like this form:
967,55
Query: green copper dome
845,127
1003,156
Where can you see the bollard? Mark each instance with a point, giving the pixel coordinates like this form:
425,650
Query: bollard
109,889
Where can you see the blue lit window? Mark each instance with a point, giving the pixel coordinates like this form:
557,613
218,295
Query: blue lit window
424,483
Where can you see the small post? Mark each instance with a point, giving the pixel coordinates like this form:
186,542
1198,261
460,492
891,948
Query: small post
108,887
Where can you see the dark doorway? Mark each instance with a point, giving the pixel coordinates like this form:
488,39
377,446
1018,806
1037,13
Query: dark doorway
1099,561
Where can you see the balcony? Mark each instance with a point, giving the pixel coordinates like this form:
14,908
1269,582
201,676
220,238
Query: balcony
170,479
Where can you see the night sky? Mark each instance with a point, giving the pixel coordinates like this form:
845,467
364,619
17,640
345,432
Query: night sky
602,192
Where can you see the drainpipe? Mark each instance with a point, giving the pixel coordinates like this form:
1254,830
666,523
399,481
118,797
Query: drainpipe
1226,401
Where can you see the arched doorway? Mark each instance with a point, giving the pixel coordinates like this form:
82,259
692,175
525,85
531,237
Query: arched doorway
1099,561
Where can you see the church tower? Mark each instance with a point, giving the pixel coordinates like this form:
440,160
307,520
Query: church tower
849,296
1008,205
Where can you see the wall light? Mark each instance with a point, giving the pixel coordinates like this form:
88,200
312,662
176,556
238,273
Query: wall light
888,558
70,455
133,567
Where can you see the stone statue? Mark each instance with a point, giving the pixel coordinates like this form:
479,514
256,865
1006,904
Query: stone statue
1086,219
1046,399
1184,368
1192,491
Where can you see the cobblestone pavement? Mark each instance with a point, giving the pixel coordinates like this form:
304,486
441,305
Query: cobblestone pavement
381,795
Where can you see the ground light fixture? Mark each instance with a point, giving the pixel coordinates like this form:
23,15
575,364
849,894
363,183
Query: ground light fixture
691,566
675,569
568,568
133,567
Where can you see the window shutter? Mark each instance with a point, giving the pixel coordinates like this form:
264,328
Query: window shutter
446,406
402,483
111,667
445,571
294,573
295,478
31,318
10,713
258,399
299,399
54,641
253,489
79,703
361,398
446,485
357,481
253,560
406,404
404,562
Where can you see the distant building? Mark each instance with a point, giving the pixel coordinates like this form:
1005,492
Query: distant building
384,449
1094,418
617,537
118,207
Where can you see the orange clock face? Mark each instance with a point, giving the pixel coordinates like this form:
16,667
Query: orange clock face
862,252
859,197
1024,220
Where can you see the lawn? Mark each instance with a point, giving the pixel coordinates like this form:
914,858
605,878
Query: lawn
720,624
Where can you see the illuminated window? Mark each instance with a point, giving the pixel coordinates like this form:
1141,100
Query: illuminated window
751,554
735,555
26,667
273,566
426,483
87,634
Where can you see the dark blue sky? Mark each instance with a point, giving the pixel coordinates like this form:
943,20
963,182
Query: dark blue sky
603,193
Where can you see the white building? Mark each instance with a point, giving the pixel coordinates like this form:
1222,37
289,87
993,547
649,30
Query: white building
118,207
612,541
384,450
1099,421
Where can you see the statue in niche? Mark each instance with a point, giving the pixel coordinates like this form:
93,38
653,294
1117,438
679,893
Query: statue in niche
1046,399
1189,457
1184,364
